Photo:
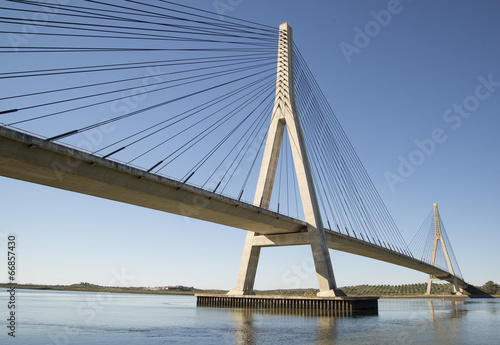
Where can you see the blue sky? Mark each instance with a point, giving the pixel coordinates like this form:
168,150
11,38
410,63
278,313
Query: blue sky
418,75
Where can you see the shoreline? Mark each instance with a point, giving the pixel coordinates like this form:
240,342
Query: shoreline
94,288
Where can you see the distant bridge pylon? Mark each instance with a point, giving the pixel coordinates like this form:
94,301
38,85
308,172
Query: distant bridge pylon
439,239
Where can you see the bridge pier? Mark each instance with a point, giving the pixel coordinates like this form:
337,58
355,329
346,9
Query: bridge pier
315,306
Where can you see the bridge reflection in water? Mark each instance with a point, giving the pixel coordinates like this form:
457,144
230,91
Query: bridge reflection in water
403,321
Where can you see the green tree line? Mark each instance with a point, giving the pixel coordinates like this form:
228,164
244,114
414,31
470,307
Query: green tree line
491,288
413,289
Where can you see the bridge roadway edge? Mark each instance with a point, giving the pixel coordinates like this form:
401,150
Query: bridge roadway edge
351,245
32,159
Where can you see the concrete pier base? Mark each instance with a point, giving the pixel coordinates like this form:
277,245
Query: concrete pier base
343,305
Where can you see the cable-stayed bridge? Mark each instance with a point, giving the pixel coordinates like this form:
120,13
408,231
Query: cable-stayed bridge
172,108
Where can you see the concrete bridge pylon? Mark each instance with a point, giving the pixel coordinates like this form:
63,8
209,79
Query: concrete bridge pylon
285,116
438,239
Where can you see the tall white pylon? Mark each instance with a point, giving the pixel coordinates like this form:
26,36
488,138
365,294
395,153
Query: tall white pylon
285,115
438,238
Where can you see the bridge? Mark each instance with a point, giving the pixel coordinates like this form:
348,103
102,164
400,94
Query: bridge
303,149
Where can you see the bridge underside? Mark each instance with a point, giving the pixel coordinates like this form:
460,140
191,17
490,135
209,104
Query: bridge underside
28,158
32,159
354,246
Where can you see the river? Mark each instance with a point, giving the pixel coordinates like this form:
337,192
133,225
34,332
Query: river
65,317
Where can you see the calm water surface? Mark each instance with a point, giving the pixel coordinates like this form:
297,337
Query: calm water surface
46,317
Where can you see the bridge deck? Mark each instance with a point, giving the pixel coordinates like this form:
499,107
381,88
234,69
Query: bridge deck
352,245
59,166
29,158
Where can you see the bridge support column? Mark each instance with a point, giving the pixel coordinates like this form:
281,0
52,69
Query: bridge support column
429,284
248,268
285,115
457,288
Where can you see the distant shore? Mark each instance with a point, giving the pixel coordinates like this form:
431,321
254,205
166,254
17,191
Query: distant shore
350,291
97,288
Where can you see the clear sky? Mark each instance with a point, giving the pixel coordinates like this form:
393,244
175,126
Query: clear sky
419,97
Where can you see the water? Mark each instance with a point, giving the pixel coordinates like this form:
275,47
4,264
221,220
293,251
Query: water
48,317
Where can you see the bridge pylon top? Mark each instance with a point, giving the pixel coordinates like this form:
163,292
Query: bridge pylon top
285,90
